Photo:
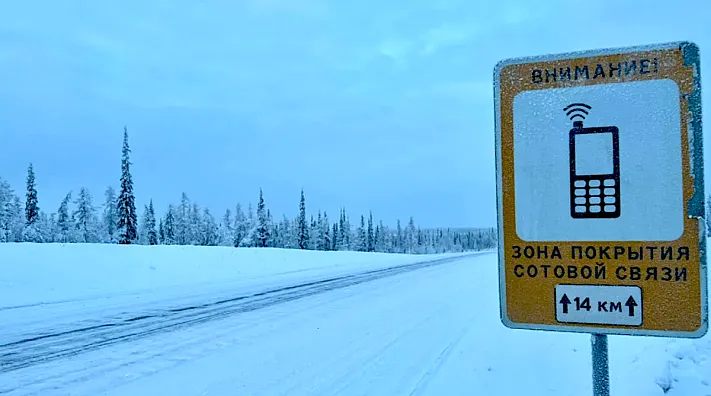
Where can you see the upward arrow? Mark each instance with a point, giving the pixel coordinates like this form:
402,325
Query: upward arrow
565,301
631,303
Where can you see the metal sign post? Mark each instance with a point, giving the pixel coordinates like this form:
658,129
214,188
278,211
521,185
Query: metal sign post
600,365
600,195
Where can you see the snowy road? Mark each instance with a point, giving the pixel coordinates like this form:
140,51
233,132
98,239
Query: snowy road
43,343
50,343
426,329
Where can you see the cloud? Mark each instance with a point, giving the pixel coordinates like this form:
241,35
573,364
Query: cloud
304,7
429,41
102,42
446,36
396,49
455,23
468,89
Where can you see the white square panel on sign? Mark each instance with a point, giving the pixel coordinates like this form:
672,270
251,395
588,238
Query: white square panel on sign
647,117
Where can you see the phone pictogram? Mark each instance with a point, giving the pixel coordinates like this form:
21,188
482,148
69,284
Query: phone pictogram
594,171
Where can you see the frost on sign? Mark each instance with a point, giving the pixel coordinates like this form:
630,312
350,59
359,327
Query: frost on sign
613,158
600,192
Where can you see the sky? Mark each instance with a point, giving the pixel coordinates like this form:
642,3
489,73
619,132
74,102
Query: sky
367,105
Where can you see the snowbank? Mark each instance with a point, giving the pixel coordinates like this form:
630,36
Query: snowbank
33,274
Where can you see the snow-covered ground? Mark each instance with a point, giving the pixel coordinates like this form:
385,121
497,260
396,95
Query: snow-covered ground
321,324
49,273
47,288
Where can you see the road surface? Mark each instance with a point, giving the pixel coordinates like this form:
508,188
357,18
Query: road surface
424,329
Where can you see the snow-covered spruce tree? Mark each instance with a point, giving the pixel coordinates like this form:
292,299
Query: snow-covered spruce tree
250,216
86,223
421,242
334,237
31,232
161,232
313,234
182,220
389,240
342,245
152,234
399,240
262,234
326,232
278,233
208,233
31,204
19,221
13,219
6,198
362,242
47,227
250,228
226,230
288,236
378,238
273,230
370,238
318,233
302,225
64,222
344,239
169,227
195,224
109,217
127,217
143,228
241,226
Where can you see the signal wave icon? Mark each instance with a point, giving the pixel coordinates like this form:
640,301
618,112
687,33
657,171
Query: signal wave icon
577,110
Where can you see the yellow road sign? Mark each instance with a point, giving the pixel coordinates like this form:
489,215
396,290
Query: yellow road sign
600,192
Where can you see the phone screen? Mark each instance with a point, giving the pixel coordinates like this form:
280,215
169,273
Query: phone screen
593,154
